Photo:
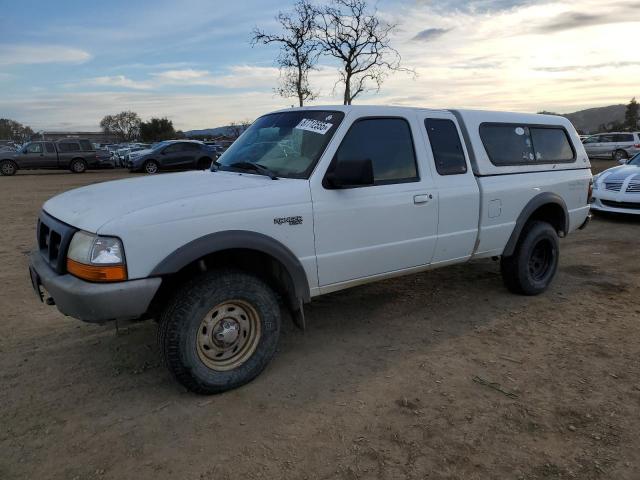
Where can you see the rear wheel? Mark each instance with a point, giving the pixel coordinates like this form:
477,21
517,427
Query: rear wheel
78,166
220,331
533,265
151,166
8,168
620,155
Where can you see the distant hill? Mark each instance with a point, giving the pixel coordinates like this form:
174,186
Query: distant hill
590,120
227,130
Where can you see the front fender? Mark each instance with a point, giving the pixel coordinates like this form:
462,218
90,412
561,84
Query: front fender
237,239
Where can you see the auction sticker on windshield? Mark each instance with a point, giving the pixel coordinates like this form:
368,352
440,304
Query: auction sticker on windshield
315,126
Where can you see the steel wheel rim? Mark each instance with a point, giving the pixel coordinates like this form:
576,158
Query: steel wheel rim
541,259
228,335
151,167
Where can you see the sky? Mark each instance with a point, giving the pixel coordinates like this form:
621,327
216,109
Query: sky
65,64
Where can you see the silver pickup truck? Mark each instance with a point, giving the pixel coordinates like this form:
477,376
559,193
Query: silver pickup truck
74,154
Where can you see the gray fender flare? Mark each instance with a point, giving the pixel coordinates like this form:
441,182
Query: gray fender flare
233,239
536,202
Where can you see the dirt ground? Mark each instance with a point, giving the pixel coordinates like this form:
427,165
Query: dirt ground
391,380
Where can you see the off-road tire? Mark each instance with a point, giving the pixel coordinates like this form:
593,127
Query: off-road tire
78,165
8,168
151,167
523,272
180,325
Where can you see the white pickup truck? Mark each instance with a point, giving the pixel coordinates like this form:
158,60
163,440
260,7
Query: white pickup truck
307,202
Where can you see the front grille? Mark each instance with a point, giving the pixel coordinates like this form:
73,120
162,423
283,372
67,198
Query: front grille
613,186
633,187
54,238
628,205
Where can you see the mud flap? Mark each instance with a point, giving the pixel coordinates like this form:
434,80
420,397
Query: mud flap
298,317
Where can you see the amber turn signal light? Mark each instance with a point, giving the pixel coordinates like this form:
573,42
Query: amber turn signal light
97,273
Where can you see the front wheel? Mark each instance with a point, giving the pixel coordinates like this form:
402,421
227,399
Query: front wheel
8,168
533,265
151,167
220,331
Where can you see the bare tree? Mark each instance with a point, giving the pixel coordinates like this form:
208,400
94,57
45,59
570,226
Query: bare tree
124,125
298,50
350,32
237,128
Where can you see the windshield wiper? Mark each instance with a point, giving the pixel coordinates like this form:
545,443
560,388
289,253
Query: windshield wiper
255,167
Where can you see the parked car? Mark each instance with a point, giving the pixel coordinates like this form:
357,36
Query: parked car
172,155
618,189
75,155
8,145
105,158
615,145
358,194
216,147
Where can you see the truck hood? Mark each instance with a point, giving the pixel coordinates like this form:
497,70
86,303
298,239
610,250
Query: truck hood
90,207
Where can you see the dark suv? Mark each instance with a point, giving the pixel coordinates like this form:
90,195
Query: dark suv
172,155
75,155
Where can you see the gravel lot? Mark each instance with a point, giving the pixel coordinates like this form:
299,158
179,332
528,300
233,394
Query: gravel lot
391,380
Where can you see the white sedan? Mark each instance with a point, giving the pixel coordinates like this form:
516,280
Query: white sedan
618,189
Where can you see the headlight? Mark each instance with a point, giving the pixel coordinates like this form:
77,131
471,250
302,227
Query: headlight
95,258
595,182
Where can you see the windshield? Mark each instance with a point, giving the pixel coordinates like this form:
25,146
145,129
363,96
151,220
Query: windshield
288,144
635,160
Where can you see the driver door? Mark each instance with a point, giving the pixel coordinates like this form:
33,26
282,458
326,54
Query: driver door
33,155
378,229
173,156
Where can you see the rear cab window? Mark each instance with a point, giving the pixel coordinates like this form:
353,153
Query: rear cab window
522,144
446,146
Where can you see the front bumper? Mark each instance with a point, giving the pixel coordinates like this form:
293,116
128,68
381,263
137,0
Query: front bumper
613,204
92,302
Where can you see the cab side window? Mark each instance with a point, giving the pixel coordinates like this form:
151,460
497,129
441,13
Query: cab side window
66,147
446,146
50,147
34,148
175,148
389,145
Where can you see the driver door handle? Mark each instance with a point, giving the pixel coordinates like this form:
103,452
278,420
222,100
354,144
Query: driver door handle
422,198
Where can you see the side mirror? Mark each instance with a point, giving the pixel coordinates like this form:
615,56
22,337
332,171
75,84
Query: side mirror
351,174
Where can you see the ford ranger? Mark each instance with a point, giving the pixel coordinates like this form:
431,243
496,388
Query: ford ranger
306,202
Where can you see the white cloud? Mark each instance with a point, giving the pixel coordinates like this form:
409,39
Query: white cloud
117,81
185,75
33,54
